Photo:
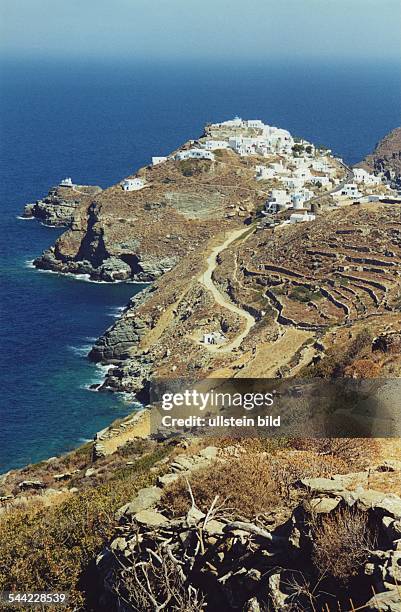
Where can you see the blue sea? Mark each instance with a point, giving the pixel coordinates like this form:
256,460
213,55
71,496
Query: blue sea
98,122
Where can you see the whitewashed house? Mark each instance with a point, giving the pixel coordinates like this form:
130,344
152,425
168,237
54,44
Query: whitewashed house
212,145
277,200
194,154
302,172
323,180
66,182
299,198
300,162
292,182
213,338
255,123
361,176
133,184
263,173
302,217
351,191
158,160
320,165
236,122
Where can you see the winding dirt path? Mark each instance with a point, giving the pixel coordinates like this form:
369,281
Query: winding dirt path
221,299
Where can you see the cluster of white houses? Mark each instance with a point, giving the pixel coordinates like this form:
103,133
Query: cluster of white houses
251,137
300,167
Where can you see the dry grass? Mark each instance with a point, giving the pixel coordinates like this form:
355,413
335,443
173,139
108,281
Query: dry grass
356,453
251,484
341,544
245,485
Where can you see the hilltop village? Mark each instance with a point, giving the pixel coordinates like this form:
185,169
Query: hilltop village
239,171
301,171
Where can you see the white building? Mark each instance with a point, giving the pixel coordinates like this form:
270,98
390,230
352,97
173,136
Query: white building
213,338
254,123
270,139
292,182
277,200
303,172
264,173
158,160
302,217
212,145
133,184
194,154
299,198
236,122
323,180
350,190
321,165
67,182
300,162
361,176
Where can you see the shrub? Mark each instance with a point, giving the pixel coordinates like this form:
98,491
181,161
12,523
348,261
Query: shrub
244,485
251,484
50,549
341,544
192,167
288,468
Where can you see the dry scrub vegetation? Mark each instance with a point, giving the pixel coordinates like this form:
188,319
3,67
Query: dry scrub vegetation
341,544
259,481
52,549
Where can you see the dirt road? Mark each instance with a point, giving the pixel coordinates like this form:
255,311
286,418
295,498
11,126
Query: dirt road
221,299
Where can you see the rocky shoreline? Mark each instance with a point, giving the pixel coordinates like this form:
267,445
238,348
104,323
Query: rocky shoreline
60,206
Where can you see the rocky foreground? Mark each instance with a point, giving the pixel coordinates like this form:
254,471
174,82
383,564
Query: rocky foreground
193,524
335,541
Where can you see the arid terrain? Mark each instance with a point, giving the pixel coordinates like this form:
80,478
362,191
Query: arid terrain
134,522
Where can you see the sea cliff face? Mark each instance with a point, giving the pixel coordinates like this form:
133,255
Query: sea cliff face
60,205
139,235
386,158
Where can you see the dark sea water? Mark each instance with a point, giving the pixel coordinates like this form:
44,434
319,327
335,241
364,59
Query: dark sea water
98,123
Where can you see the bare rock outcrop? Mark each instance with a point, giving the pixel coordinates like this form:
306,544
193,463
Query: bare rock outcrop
386,158
61,204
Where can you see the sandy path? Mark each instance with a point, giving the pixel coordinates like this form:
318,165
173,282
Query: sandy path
222,300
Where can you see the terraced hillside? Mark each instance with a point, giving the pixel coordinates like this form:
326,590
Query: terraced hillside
342,268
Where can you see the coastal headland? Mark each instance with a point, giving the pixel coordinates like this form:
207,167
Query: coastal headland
266,257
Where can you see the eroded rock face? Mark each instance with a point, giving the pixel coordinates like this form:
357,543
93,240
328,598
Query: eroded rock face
139,235
386,158
61,204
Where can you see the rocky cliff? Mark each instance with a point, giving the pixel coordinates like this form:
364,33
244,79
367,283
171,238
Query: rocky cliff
61,204
138,235
386,158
